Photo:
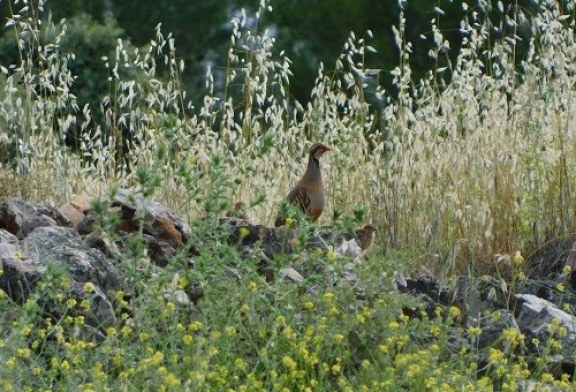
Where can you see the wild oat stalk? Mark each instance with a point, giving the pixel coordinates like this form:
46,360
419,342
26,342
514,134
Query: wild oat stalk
474,160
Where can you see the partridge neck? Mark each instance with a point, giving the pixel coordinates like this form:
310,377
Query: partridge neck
313,174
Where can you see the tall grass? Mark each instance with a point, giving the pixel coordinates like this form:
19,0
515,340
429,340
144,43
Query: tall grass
472,161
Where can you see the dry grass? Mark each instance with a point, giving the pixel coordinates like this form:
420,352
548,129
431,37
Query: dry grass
458,171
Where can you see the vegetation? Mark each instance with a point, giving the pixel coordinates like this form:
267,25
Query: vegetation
472,161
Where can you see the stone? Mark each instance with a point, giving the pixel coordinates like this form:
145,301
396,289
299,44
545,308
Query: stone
20,274
101,314
64,248
74,215
7,237
232,272
291,275
535,319
160,221
37,221
82,203
104,244
14,212
536,314
349,248
76,209
271,240
492,326
160,252
179,297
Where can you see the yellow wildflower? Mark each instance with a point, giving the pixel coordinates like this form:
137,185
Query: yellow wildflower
518,259
88,287
289,363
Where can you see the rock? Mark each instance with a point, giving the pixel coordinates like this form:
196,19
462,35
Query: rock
19,273
423,287
37,221
82,203
232,272
291,275
350,278
101,314
160,221
7,237
546,289
272,241
103,244
536,314
179,297
14,213
535,319
533,386
160,252
492,327
194,292
86,225
76,209
349,248
73,215
65,248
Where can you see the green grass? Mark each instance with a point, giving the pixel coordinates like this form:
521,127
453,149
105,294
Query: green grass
455,174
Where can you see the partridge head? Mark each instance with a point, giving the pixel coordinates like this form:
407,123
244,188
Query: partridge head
365,236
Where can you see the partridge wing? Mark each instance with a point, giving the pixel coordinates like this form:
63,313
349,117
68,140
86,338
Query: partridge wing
300,197
297,197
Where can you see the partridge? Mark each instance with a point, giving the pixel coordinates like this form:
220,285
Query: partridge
309,193
365,236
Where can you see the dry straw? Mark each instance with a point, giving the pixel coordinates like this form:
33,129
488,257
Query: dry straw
474,160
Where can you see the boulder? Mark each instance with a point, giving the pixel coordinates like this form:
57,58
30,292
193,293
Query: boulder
542,320
159,221
20,274
65,248
24,263
76,209
536,315
16,214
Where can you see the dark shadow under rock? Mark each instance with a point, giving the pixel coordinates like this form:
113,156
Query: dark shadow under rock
160,252
549,259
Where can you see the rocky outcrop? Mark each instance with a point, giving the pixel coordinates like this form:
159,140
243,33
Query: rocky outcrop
87,244
489,304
